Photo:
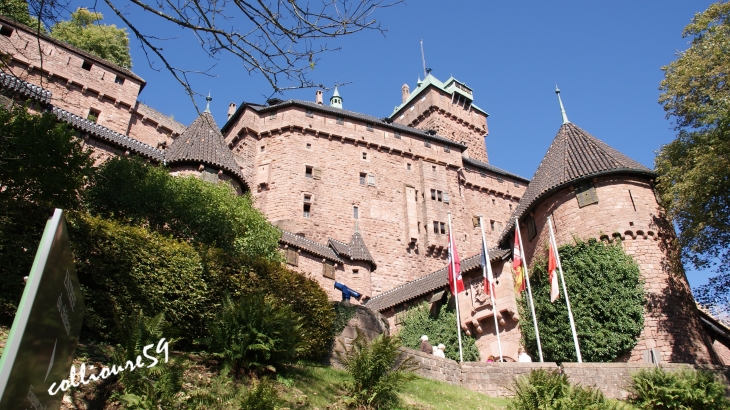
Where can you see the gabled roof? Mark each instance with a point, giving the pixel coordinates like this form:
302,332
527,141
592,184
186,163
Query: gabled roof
339,112
127,73
483,165
25,88
448,87
310,246
574,155
202,142
430,282
355,250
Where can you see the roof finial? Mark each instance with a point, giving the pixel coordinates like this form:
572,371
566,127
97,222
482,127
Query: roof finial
562,109
207,105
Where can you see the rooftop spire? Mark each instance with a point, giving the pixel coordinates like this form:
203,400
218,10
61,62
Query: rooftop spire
562,109
207,104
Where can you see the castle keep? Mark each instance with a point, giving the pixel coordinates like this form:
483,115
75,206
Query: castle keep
365,201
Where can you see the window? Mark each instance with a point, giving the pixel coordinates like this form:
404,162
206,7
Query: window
119,80
263,148
355,271
396,134
443,228
426,144
408,167
369,127
500,180
531,228
355,212
435,227
446,149
309,113
433,194
483,174
340,121
272,115
491,224
317,173
328,270
510,207
362,178
475,221
446,197
292,257
433,168
438,196
308,171
517,185
307,205
585,193
371,179
6,31
439,228
364,155
309,146
494,202
93,115
86,65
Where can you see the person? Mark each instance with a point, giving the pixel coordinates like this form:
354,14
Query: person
425,346
438,351
490,359
523,357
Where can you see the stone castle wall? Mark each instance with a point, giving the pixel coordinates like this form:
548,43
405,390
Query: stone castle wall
627,207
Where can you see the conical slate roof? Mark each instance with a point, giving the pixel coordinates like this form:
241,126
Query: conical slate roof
202,142
573,155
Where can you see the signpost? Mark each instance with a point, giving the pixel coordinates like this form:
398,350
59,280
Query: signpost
46,328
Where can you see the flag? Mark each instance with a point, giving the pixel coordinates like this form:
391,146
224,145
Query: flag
517,265
489,280
552,275
454,267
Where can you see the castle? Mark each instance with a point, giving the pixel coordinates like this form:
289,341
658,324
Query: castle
365,201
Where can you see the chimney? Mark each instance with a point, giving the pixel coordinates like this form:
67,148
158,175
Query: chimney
406,92
318,98
231,109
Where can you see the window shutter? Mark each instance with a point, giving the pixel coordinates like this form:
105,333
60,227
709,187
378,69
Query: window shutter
317,173
585,193
446,197
328,270
292,257
531,228
475,221
371,179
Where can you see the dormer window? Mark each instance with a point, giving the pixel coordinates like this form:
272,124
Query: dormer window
119,80
369,127
340,121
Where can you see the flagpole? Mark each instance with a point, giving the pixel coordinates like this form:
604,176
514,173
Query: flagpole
488,266
456,289
529,288
565,290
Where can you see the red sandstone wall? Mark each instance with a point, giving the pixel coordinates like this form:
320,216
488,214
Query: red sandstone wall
433,110
671,324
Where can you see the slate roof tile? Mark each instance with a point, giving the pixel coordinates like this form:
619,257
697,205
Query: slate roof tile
573,155
430,282
310,246
483,165
10,82
356,250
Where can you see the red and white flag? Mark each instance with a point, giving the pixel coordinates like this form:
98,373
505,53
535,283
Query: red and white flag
454,267
489,279
517,266
552,275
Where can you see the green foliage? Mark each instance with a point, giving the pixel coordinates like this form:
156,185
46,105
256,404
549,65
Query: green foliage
187,208
146,388
16,10
377,375
255,333
552,391
686,389
105,41
262,396
42,167
607,299
439,329
123,269
694,169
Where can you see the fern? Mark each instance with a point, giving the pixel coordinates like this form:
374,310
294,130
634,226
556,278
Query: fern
685,389
552,391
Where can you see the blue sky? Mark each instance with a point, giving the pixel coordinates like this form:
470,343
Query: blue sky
605,57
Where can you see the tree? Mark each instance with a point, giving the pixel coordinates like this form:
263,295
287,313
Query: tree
607,300
694,169
106,41
16,10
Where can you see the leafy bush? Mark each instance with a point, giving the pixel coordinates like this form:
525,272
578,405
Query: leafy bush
686,389
607,298
42,167
439,329
125,269
188,208
262,396
256,333
552,391
377,375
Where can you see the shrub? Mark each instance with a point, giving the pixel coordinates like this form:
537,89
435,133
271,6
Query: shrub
188,208
261,396
255,333
551,391
607,298
685,389
439,329
377,375
125,269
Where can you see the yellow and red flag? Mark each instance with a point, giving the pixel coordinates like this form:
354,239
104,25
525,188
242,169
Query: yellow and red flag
517,265
552,275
